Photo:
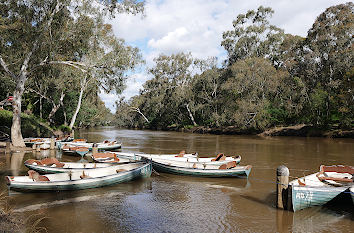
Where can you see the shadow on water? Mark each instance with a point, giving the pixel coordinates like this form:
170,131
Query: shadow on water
269,200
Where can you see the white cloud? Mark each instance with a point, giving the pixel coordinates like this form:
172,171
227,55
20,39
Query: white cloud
172,26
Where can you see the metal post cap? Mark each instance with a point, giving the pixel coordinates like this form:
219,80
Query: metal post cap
282,171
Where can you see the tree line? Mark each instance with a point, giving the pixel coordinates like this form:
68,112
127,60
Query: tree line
269,79
57,55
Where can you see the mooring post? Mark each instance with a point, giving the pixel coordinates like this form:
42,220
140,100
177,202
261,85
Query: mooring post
282,187
8,147
38,148
94,149
52,143
34,146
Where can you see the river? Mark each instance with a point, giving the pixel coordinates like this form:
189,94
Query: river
171,203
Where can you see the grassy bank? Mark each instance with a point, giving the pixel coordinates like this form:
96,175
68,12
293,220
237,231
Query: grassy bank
30,126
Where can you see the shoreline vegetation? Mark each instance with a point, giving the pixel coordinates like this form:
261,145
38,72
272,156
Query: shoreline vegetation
271,83
300,130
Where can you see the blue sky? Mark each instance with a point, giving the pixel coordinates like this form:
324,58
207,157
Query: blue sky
196,26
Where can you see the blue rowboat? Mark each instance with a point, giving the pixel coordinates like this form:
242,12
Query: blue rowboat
205,170
321,187
87,179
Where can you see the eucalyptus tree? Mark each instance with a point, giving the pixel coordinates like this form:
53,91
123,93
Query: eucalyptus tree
27,30
324,59
251,88
207,92
171,87
253,36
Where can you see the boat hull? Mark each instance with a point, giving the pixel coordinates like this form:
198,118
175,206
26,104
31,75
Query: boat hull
142,171
201,172
352,193
307,196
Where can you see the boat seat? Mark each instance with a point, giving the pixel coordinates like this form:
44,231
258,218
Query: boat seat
337,168
31,161
219,157
49,161
121,170
103,155
84,176
181,154
228,165
36,177
59,164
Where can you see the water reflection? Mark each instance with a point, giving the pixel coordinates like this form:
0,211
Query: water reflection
16,162
171,203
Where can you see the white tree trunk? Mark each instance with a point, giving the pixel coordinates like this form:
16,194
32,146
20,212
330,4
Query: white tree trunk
55,107
191,115
16,135
73,119
138,111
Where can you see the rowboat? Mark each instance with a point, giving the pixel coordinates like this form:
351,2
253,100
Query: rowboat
71,147
229,169
86,179
321,187
44,142
182,157
52,165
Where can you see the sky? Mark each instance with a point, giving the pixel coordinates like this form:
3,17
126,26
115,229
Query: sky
196,26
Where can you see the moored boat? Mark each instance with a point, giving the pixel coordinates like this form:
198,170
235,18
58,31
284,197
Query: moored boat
321,187
86,179
229,169
182,157
52,165
71,147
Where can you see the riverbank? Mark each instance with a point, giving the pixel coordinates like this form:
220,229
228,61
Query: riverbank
300,130
30,126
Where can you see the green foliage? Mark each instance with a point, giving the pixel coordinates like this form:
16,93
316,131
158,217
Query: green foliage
64,129
271,79
31,126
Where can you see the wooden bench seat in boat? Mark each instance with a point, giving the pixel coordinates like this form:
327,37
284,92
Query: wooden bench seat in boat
36,177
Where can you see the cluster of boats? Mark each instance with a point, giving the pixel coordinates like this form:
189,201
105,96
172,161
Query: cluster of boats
108,168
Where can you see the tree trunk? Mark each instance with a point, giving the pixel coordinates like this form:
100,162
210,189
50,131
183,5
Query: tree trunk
138,111
191,115
16,135
55,107
40,108
73,119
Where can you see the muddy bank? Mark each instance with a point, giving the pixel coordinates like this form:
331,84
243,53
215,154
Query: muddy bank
297,131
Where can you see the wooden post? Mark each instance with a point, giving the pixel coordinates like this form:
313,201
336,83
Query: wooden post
8,147
52,143
282,187
94,149
34,146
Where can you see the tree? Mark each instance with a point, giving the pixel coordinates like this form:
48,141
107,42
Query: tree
250,89
324,58
27,29
253,36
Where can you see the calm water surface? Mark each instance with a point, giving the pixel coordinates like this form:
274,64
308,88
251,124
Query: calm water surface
170,203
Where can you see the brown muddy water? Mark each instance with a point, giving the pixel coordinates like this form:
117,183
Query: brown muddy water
171,203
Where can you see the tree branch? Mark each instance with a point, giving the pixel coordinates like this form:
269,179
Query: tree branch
3,64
